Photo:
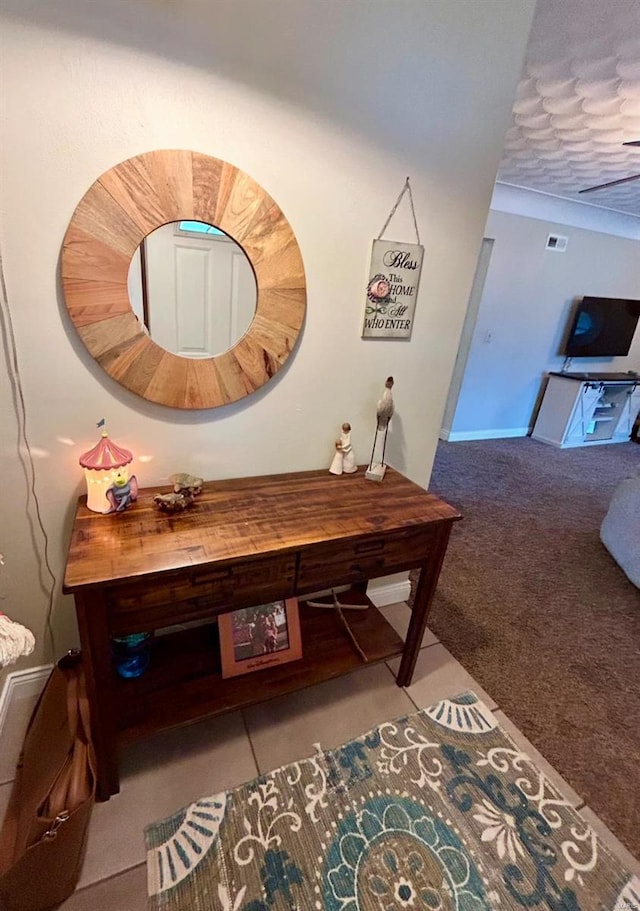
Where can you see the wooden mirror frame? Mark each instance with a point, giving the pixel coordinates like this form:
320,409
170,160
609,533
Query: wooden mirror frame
118,211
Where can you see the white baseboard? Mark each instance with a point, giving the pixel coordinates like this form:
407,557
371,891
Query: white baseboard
388,593
542,439
19,695
386,590
459,435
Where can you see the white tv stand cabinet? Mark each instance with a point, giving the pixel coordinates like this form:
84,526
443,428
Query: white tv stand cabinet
587,409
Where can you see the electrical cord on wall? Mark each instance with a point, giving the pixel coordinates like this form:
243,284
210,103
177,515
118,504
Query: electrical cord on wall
25,457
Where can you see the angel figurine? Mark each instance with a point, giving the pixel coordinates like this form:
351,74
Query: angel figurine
344,461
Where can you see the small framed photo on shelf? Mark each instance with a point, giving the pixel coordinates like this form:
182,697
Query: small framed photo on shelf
256,637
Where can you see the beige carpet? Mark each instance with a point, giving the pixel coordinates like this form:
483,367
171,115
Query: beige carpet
535,608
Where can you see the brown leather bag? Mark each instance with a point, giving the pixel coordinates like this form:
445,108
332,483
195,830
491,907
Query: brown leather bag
43,836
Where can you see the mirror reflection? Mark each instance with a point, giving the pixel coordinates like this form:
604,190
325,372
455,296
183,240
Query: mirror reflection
193,288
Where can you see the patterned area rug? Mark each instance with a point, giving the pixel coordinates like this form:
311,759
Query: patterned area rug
439,810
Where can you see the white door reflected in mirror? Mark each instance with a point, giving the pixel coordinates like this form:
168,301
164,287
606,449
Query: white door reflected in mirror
193,288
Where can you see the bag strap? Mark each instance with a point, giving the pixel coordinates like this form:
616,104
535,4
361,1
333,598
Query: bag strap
71,676
83,704
77,699
13,829
75,782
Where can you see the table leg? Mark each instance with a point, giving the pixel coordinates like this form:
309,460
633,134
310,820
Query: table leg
430,572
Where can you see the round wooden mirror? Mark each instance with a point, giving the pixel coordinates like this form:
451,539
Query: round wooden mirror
193,288
118,211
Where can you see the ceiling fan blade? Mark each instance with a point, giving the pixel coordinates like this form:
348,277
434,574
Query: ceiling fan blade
612,183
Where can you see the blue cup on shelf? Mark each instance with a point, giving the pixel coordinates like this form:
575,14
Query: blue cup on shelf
131,654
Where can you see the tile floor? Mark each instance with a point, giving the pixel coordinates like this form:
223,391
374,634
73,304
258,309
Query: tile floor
171,770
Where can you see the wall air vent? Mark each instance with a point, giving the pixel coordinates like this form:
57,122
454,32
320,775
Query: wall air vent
557,242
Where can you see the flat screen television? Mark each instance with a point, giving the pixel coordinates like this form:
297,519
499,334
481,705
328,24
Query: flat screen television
602,327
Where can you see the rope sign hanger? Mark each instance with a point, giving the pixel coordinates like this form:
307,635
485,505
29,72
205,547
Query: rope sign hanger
392,286
406,189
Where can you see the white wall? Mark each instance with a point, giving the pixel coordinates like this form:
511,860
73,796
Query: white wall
329,106
523,314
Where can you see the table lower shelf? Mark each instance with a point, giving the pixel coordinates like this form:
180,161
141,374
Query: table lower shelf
184,683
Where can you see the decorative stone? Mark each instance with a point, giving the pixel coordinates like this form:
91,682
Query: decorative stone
186,483
172,502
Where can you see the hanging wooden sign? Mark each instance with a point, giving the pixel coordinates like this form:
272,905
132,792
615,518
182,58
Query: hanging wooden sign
392,289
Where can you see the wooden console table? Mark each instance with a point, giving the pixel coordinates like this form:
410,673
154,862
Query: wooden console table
242,542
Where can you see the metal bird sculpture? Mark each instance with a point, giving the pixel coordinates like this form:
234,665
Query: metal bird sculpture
384,413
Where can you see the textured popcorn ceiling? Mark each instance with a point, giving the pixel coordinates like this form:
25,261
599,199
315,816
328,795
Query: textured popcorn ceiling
577,102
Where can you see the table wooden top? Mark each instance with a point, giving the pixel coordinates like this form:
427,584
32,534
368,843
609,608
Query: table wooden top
242,518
